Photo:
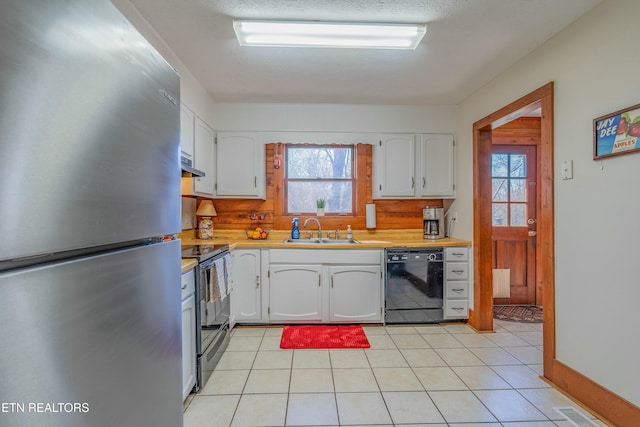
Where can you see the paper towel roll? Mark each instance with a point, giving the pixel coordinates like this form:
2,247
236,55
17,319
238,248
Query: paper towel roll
371,215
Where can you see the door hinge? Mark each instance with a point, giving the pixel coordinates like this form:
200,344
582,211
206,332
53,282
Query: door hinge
380,143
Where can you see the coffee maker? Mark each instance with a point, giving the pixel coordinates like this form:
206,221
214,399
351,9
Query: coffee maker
433,223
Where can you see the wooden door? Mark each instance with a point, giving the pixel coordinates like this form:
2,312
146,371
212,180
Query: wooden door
513,208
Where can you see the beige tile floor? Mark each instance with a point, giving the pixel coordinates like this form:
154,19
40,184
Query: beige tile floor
423,375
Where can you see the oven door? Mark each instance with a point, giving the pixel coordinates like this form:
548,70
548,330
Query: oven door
214,312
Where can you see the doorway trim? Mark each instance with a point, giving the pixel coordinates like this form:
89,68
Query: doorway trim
481,317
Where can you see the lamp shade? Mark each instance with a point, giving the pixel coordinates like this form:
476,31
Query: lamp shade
206,208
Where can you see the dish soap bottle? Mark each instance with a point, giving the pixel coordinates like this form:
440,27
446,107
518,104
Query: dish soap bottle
295,231
349,233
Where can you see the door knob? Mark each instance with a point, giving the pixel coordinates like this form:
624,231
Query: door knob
531,221
532,233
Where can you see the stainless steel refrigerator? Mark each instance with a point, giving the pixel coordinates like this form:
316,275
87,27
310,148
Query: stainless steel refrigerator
90,318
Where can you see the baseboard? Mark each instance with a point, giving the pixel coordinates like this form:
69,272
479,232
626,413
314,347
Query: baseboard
606,404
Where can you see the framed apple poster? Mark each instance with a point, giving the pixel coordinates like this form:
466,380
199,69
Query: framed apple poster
617,133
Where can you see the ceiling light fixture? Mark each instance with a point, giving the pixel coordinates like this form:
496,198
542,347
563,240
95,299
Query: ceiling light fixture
329,34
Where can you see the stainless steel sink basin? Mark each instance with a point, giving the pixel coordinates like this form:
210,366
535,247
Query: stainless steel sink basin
323,241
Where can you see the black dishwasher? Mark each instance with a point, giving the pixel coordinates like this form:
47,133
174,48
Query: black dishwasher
414,285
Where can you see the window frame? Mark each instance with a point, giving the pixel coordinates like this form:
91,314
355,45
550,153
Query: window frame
508,179
353,180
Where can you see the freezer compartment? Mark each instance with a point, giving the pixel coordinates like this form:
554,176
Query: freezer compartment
103,332
89,130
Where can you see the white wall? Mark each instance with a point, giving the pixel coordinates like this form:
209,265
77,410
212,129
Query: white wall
335,118
595,67
192,93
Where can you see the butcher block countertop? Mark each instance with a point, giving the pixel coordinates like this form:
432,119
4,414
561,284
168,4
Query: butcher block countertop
188,264
368,239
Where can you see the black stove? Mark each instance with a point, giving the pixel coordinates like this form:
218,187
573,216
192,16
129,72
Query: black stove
203,252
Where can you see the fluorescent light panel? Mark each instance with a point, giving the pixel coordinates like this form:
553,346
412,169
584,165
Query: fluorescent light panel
329,34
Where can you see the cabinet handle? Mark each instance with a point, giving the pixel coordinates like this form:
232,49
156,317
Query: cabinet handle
413,182
255,181
457,308
457,271
457,253
424,182
459,290
319,280
184,287
332,281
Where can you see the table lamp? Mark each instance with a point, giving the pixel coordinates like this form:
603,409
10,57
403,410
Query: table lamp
205,227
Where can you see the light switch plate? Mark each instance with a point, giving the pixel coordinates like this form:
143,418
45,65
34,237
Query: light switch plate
567,169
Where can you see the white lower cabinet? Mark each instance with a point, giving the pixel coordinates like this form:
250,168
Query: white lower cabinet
246,301
456,284
188,333
355,295
324,286
295,293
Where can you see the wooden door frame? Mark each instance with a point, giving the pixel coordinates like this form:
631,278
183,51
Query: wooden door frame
481,317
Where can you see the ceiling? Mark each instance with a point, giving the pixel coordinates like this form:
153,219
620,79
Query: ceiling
468,43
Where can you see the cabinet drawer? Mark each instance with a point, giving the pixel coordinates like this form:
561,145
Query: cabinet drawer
457,289
456,254
456,308
188,284
457,271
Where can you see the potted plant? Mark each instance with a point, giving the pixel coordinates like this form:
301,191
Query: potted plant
320,206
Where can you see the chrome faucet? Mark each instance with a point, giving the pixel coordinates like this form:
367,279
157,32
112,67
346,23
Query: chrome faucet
317,222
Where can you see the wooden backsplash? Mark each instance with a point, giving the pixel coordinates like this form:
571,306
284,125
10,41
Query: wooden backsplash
390,214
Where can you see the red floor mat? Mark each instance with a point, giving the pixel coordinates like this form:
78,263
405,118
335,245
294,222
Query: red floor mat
324,336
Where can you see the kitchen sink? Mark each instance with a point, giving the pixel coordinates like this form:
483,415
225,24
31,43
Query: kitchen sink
323,240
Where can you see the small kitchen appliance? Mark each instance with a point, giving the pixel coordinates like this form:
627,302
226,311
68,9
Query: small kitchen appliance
433,223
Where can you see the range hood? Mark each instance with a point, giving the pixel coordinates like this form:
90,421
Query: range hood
188,170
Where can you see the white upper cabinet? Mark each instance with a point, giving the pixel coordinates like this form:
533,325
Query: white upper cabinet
186,132
204,158
240,167
394,160
413,166
197,143
437,168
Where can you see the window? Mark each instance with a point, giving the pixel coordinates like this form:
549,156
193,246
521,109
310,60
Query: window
509,192
315,172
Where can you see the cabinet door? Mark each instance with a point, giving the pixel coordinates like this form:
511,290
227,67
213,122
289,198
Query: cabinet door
355,294
437,164
246,301
394,165
188,345
295,293
240,165
204,158
186,132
